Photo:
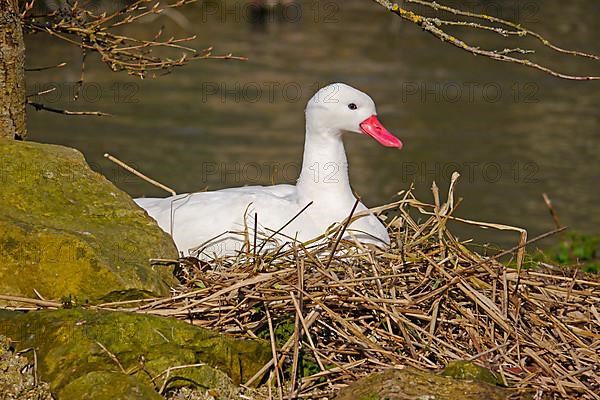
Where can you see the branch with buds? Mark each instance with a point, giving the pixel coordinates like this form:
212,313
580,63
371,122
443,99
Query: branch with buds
99,32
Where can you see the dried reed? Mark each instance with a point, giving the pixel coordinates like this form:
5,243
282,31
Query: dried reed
333,317
426,301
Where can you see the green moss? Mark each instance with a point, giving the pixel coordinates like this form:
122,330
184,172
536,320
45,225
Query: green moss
71,344
66,230
309,365
409,383
107,386
468,370
283,330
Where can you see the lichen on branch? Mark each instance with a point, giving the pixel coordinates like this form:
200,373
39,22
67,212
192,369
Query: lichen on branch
437,27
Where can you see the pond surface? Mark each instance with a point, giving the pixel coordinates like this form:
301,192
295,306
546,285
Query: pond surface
513,133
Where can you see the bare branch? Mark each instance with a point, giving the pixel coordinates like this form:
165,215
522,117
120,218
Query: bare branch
41,93
95,31
40,106
62,64
435,27
525,31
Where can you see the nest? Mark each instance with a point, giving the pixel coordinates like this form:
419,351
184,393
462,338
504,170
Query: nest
337,311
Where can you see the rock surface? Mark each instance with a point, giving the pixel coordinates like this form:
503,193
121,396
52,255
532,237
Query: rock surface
411,384
128,356
67,231
99,385
469,371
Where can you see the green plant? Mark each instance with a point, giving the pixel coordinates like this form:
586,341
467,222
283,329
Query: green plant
574,249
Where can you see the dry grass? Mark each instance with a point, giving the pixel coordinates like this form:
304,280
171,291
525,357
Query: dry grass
426,301
336,311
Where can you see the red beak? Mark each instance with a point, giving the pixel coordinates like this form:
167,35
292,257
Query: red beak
372,127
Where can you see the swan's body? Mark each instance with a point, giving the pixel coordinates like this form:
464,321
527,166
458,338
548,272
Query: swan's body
274,207
219,223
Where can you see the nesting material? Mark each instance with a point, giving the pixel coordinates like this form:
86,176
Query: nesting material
423,303
336,311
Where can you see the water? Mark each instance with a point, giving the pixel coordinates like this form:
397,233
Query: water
513,133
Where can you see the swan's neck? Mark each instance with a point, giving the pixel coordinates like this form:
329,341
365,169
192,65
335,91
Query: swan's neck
324,172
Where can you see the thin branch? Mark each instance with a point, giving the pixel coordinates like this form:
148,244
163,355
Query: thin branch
139,174
433,26
342,231
525,31
42,92
500,31
62,64
40,106
100,33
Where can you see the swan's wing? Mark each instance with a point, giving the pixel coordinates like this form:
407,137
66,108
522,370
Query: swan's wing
222,216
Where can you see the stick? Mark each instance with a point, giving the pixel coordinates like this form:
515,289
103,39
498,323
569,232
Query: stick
552,211
312,317
337,240
522,245
284,226
27,300
254,258
40,106
139,174
62,64
274,350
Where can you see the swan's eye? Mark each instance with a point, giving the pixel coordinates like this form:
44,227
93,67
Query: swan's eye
352,106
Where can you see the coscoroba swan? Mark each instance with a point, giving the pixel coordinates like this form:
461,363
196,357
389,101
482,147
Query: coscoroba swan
209,224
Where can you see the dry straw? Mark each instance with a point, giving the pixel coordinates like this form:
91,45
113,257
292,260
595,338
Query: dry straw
426,301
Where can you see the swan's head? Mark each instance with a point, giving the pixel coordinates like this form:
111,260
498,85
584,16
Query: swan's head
340,108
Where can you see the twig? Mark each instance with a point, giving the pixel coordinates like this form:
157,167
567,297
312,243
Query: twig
274,350
40,106
505,252
341,233
167,372
35,69
112,357
41,93
254,242
432,26
26,300
139,174
92,31
284,226
552,211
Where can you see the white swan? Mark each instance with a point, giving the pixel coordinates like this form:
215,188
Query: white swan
209,224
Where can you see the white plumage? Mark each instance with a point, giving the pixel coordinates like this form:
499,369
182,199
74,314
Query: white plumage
209,224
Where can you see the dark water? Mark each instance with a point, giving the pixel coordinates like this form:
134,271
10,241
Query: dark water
512,132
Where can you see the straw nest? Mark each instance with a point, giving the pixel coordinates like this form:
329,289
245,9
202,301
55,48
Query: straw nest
337,311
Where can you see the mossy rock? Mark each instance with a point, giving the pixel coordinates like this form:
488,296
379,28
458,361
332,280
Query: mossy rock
108,385
75,347
66,230
468,370
411,384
